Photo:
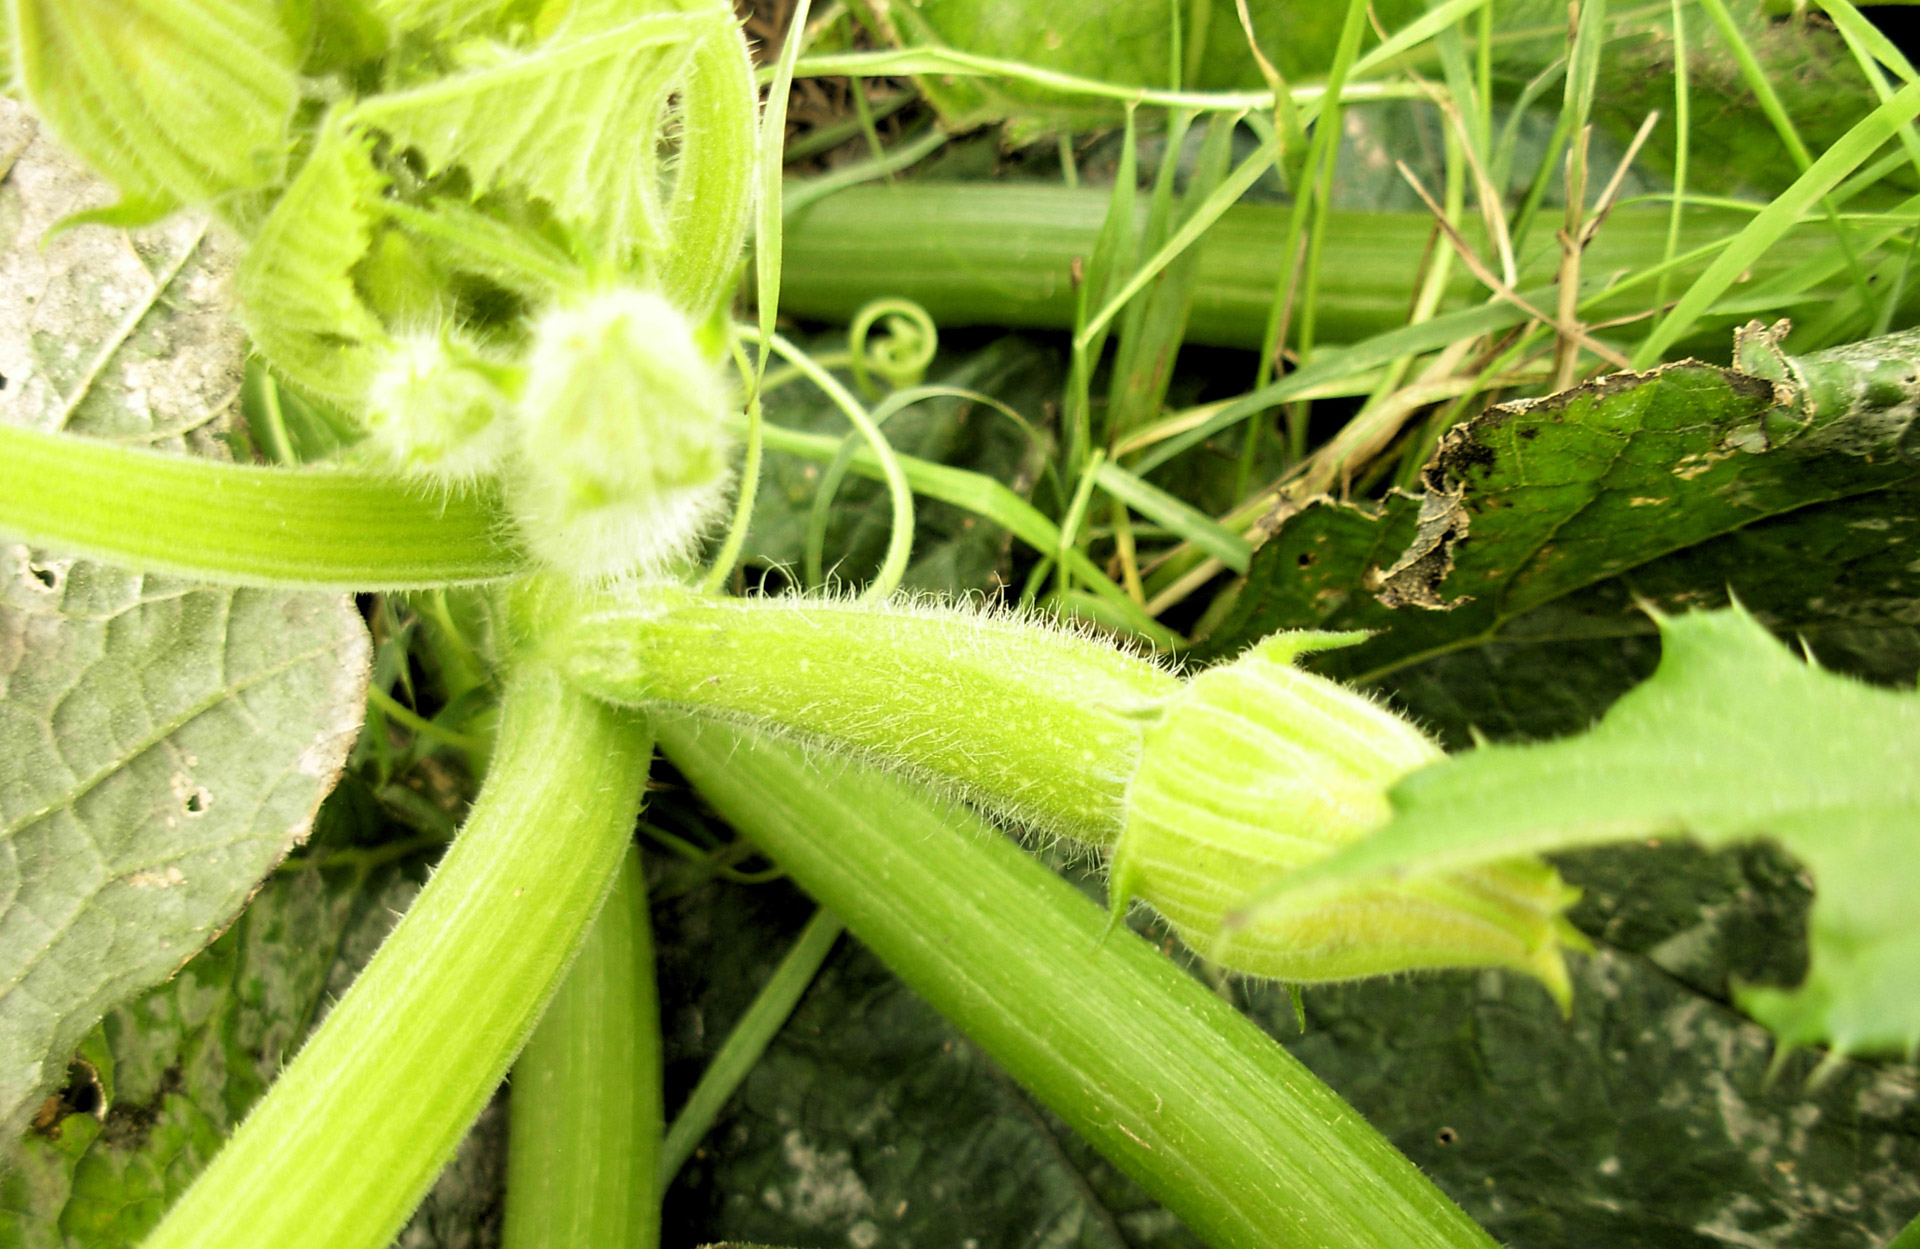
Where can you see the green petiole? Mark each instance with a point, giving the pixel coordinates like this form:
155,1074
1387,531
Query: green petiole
356,1128
585,1121
1250,1151
1033,723
245,525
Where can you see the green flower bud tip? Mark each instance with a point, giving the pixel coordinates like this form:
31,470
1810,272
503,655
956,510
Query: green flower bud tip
1257,768
624,445
436,409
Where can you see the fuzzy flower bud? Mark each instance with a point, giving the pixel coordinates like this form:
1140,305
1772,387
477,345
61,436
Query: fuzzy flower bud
623,437
436,409
1256,769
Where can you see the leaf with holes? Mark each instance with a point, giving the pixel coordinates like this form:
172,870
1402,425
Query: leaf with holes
162,744
1536,500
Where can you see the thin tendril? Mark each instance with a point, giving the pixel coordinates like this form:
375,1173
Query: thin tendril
900,542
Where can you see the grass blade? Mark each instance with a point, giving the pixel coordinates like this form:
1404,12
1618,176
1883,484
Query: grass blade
749,1039
1772,222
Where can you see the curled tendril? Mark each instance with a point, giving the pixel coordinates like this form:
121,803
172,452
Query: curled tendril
900,357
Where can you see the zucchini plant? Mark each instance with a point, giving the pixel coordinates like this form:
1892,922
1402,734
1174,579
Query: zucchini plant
483,260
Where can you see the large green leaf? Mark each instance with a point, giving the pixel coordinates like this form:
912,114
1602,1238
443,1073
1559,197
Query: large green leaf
156,1088
164,743
1536,500
1732,739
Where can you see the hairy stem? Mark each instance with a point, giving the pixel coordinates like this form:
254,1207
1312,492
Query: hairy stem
931,689
584,1132
349,1138
1166,1080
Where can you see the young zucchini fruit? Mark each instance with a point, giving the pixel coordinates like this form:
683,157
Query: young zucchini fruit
1199,792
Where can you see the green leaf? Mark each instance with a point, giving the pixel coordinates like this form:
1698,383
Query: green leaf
1535,500
297,297
176,101
169,1074
1732,739
576,120
164,743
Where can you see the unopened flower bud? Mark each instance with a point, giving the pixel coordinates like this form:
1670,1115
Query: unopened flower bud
1256,769
437,409
623,427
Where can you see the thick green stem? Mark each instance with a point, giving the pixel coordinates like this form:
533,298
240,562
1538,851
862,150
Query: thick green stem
1003,255
1166,1080
1030,722
349,1138
584,1131
243,525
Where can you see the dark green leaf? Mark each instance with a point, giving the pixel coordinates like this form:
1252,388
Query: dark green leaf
1536,500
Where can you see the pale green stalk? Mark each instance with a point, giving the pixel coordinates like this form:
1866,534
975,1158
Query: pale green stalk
584,1125
951,61
349,1138
1170,1083
713,190
1038,724
240,524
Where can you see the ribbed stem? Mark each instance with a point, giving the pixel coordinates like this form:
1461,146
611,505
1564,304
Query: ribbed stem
1002,254
244,525
347,1141
584,1131
1171,1084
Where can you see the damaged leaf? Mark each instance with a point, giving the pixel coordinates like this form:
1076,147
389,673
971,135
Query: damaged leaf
1536,500
165,743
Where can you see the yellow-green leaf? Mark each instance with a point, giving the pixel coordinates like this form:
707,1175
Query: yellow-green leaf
297,296
176,101
1733,738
